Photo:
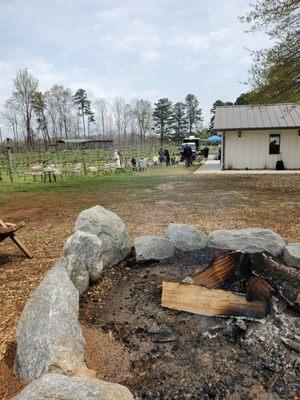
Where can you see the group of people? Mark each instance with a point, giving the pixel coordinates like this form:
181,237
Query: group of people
189,156
164,157
140,165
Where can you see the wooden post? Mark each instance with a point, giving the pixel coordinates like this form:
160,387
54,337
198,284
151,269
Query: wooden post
9,165
83,160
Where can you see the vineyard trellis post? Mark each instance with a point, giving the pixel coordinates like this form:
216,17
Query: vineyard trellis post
10,165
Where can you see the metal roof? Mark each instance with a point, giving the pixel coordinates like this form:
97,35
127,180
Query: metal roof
269,116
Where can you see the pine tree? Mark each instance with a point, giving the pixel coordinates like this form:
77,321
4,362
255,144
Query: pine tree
39,107
162,118
80,98
217,103
194,112
179,123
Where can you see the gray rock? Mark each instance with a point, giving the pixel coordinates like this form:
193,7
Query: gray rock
109,227
185,237
89,248
49,338
292,255
153,248
76,270
250,240
55,386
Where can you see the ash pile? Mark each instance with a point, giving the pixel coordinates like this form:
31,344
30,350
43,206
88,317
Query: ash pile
257,299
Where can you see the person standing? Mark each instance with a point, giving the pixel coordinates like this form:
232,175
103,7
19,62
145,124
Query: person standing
205,152
187,155
117,159
121,158
167,157
219,151
161,156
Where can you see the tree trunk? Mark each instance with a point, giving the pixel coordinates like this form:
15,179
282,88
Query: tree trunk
83,123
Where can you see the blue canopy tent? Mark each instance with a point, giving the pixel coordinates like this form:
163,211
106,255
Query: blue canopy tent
214,139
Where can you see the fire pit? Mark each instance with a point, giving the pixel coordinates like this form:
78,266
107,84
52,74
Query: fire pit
160,353
181,327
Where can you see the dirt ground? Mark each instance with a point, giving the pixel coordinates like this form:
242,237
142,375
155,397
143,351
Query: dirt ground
147,203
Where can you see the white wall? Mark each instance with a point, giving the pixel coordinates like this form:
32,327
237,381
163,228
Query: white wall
251,150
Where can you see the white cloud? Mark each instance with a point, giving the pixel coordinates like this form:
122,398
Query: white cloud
38,66
129,48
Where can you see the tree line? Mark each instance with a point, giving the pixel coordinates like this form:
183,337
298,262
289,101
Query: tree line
32,116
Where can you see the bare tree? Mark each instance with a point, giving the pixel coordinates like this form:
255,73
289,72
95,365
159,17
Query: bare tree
127,116
142,111
102,110
25,86
118,109
10,117
60,109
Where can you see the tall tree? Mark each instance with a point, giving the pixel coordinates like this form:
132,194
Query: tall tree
162,118
180,123
102,110
217,103
142,111
243,99
274,76
193,112
39,108
10,116
80,99
118,105
25,86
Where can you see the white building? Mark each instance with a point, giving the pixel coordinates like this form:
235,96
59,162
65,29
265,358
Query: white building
256,137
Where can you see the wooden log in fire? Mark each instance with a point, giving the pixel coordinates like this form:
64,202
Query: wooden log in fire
210,302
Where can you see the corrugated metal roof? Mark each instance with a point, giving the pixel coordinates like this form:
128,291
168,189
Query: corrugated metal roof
284,115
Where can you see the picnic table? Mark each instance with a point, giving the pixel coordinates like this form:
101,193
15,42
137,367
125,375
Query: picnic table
49,173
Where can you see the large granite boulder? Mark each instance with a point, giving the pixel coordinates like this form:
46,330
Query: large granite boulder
49,338
292,255
153,248
108,227
89,248
249,240
185,237
60,387
76,270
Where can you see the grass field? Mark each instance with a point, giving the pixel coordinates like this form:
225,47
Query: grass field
147,202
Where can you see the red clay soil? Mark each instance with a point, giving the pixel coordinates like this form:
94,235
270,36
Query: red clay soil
205,202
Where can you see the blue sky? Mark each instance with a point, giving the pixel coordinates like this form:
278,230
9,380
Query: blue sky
129,48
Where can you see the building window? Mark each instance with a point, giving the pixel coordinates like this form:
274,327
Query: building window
274,144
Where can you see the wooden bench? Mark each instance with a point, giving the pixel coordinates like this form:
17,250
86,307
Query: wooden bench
8,230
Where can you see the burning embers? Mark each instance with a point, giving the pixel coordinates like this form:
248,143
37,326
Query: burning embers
236,285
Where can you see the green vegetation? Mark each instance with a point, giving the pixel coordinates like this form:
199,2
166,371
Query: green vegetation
91,183
274,76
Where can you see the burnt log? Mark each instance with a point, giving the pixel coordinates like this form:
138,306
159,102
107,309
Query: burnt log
225,269
285,280
259,289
